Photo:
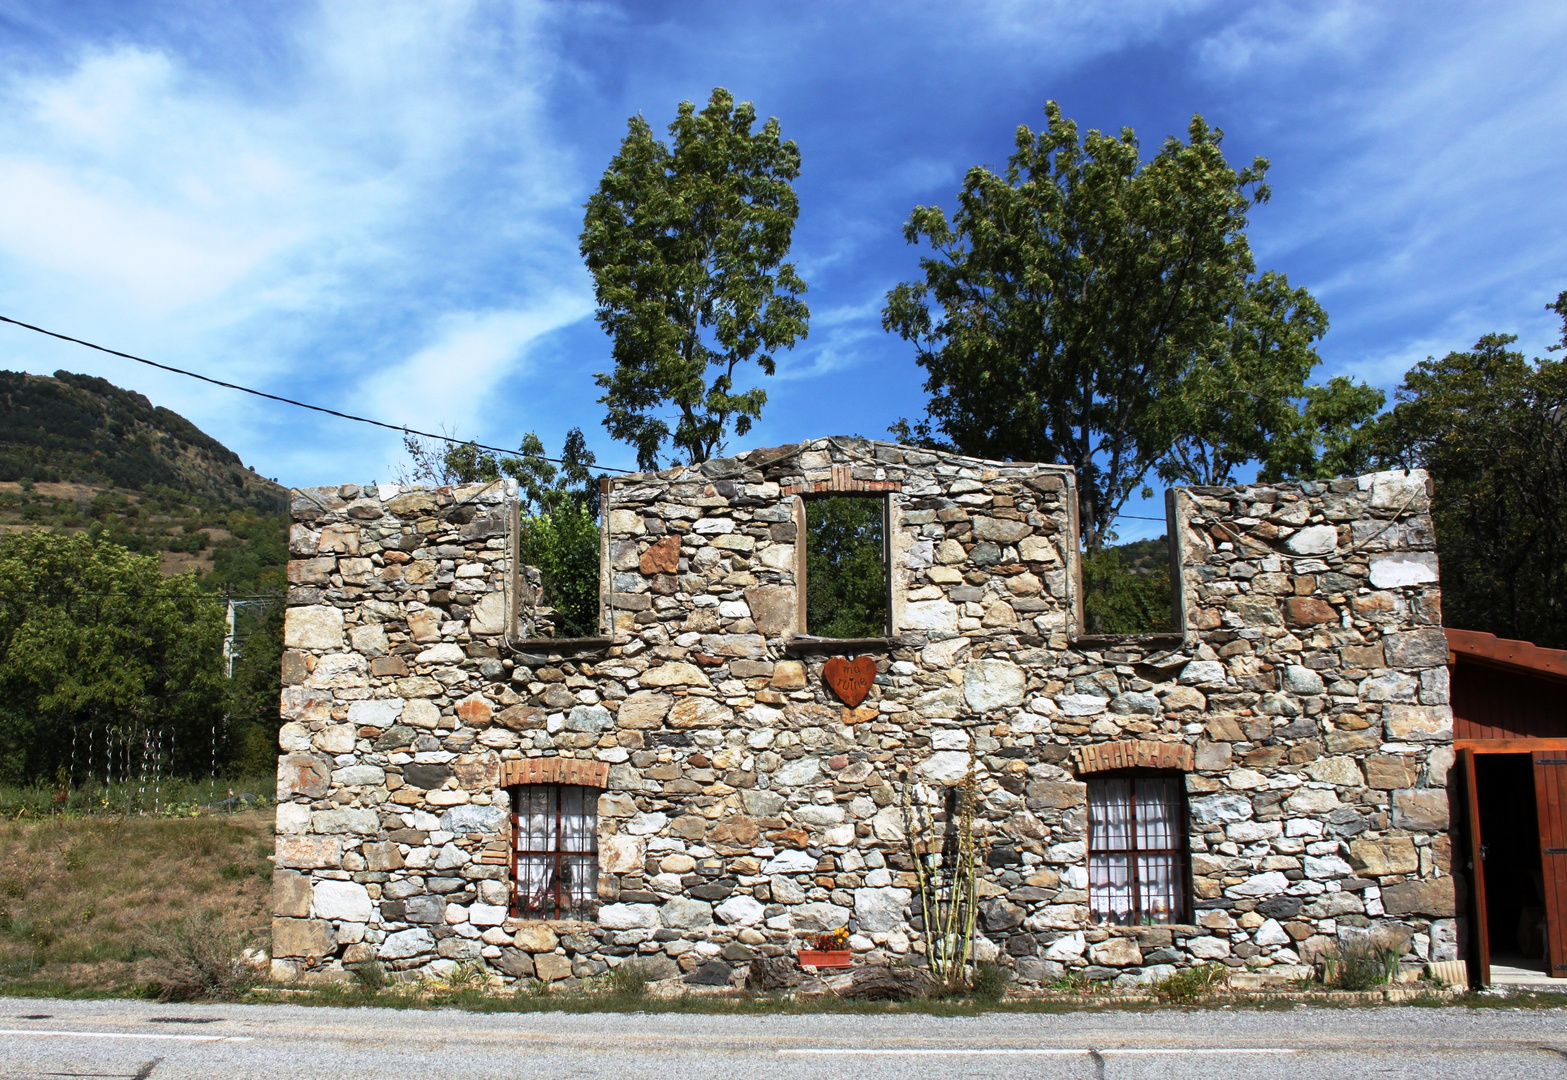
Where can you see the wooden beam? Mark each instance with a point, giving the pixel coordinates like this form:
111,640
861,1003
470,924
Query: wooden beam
1509,746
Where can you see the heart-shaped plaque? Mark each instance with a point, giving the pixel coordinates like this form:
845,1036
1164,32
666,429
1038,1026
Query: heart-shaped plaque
850,679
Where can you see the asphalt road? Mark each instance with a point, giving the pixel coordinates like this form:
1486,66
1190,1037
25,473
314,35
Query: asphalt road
257,1042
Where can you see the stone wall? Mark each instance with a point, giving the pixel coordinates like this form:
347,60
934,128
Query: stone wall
744,807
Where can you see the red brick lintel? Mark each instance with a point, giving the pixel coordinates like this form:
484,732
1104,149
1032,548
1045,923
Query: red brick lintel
1134,754
555,770
816,487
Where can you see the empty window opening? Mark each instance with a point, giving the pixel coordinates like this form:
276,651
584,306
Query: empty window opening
554,850
559,548
846,567
1137,849
1127,589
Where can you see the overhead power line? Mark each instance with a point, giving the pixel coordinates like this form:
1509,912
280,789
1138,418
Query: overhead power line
284,400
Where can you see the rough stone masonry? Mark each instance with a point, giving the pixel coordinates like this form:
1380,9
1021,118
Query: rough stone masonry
744,809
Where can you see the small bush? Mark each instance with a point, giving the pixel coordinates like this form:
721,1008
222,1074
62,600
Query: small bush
1073,982
198,958
1358,964
627,981
369,976
1189,985
990,982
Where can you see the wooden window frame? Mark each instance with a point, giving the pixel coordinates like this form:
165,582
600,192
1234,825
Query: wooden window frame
586,895
1180,852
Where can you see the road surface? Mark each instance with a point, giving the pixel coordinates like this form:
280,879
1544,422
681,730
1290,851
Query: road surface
148,1041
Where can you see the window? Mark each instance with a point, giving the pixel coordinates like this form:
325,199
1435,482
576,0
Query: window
1137,849
554,850
846,567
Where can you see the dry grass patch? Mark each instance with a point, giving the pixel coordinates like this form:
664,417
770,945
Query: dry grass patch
87,902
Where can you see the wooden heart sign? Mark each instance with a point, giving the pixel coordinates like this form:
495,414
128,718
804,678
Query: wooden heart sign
850,679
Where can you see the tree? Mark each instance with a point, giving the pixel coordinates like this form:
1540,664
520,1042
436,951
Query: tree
686,246
1332,433
95,642
1091,309
1489,427
845,573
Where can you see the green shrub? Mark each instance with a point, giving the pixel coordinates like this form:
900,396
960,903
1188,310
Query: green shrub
369,976
989,983
1358,964
563,543
627,981
1191,983
198,958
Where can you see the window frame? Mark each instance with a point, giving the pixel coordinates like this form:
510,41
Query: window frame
1179,851
802,561
584,896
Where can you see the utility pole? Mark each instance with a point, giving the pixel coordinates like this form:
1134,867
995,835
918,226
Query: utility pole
228,633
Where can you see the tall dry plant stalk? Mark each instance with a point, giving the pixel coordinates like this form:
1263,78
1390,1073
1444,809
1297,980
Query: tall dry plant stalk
947,868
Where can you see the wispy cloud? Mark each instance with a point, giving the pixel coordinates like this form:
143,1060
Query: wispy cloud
400,185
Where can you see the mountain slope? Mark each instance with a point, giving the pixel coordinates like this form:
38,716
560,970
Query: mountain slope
84,430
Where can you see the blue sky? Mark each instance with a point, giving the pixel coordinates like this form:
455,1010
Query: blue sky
375,206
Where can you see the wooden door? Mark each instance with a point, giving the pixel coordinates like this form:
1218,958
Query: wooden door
1473,861
1550,796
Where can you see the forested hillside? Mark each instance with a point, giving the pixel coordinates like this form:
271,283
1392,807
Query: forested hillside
92,649
78,453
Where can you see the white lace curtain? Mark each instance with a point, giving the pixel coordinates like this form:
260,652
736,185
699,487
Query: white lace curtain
557,848
1136,845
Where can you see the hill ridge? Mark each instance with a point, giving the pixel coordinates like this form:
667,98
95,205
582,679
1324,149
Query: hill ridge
84,429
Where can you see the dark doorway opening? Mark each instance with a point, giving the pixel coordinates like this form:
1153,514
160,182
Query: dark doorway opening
1510,851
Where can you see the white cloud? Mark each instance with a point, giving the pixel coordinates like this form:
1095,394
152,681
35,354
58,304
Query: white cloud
270,227
449,380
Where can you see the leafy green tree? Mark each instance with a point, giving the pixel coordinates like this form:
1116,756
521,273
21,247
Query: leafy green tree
1122,595
93,641
563,543
250,744
845,572
1489,426
1088,308
686,245
1333,433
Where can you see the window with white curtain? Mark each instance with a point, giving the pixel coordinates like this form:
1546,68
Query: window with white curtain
554,850
1137,849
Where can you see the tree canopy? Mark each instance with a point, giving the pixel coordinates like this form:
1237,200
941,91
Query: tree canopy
686,243
1489,426
1089,308
95,642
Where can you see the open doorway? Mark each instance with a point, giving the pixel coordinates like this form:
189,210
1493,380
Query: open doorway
1510,851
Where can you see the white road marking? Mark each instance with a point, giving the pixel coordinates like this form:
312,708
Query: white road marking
128,1035
1057,1050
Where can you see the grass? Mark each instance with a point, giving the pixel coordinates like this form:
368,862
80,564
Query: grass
110,905
1190,984
1359,964
168,798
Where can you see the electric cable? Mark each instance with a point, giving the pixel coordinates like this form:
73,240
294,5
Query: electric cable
291,401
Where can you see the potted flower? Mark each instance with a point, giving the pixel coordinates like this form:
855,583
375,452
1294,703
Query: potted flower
831,951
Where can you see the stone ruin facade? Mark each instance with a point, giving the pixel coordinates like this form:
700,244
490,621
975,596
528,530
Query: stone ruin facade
741,808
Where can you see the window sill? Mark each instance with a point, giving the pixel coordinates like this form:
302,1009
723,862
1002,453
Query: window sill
546,647
800,644
1110,641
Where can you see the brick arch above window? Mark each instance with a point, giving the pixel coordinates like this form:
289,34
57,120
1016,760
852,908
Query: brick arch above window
842,482
555,770
1133,754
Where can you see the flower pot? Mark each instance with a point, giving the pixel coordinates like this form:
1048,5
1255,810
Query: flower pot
826,958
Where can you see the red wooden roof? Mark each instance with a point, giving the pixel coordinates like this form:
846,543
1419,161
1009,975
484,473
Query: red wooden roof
1519,655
